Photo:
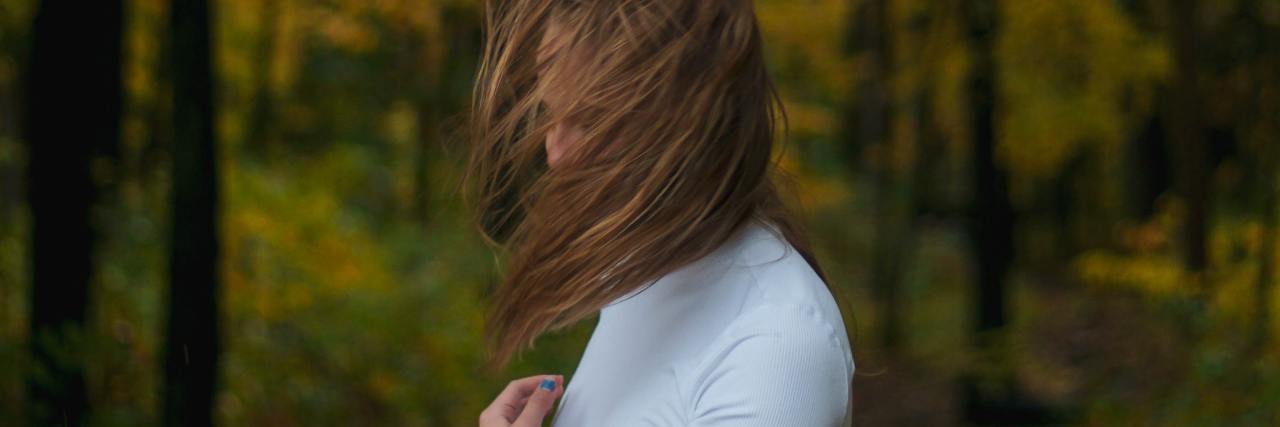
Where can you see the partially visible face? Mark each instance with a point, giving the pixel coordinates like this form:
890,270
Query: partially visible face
563,135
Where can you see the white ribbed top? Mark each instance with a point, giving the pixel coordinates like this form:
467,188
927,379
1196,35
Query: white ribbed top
746,336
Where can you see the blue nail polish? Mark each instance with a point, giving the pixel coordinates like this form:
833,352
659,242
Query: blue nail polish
548,384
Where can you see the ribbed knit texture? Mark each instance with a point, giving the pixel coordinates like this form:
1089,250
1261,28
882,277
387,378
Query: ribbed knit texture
747,336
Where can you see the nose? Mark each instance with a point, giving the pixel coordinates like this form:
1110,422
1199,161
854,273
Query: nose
555,144
552,145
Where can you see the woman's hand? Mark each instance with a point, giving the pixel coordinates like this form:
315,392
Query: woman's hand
524,403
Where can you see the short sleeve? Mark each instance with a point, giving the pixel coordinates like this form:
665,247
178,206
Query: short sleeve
775,367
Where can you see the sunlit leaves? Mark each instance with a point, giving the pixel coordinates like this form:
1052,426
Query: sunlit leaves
1071,73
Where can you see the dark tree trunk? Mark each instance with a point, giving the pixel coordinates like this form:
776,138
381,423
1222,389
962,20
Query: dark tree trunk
261,138
991,233
1151,177
12,183
1152,172
192,340
74,103
872,117
1267,185
450,90
1270,173
993,216
428,141
1187,136
463,38
423,83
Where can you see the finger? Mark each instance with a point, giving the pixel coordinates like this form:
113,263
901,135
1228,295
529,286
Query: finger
519,406
518,389
539,403
512,399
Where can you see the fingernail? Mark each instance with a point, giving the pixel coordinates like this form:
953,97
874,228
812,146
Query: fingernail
548,384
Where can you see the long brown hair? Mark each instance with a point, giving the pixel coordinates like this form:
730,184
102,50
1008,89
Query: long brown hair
679,117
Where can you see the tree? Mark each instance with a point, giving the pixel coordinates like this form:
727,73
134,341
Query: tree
74,104
1187,135
872,119
192,342
261,133
991,233
993,215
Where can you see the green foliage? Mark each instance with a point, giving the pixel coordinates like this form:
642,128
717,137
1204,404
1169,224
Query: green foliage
1072,73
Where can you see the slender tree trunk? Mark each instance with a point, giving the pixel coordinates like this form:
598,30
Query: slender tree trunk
1153,171
12,183
991,230
261,138
1187,136
74,106
993,220
192,340
1266,128
873,118
1151,176
425,85
428,141
1267,253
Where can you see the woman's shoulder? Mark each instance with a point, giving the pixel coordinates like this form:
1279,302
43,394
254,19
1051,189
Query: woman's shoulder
784,353
781,280
773,363
785,294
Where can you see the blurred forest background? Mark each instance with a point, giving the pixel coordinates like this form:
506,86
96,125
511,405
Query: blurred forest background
1041,211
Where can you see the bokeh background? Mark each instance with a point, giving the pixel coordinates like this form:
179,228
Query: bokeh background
1038,211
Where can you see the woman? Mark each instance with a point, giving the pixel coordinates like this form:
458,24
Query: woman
622,156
